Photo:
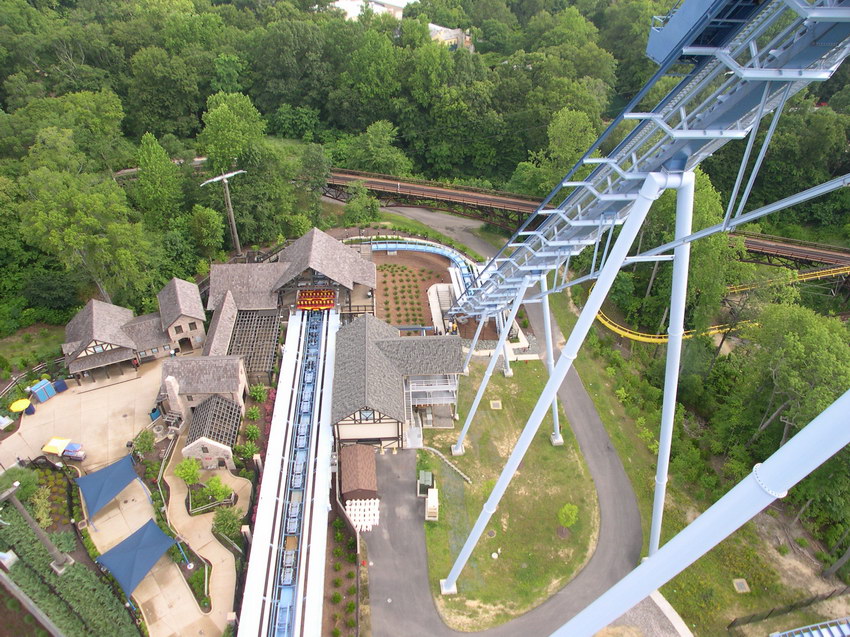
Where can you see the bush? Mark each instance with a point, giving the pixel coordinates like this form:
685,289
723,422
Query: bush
189,470
337,582
252,413
259,392
568,515
337,566
252,432
351,622
350,606
228,522
41,507
801,541
246,451
27,477
144,442
350,575
783,549
336,598
352,589
214,490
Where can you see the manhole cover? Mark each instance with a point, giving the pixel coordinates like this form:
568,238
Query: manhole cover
741,585
495,404
491,533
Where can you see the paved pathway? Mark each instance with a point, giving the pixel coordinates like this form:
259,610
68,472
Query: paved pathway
400,538
197,532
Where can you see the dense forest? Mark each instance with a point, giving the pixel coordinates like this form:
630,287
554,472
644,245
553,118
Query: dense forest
287,89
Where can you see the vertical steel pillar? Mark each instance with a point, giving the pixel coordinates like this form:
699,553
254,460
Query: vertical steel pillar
556,438
506,325
457,448
815,444
481,321
675,330
653,186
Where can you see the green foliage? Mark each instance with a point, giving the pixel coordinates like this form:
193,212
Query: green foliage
40,502
246,451
188,470
158,190
144,442
252,432
336,598
214,491
252,413
361,208
801,541
207,229
568,515
259,393
232,126
783,549
27,477
228,522
374,151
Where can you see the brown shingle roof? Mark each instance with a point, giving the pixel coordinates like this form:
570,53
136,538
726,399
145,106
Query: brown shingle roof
146,331
179,298
97,321
252,284
328,256
205,374
221,327
358,473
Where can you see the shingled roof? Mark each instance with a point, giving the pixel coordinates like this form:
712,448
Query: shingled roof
326,255
252,284
358,472
179,298
97,321
217,418
372,361
221,327
146,331
205,374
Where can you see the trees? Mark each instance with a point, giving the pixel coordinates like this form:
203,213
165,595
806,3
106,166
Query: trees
158,189
207,229
232,127
568,515
361,208
188,470
373,151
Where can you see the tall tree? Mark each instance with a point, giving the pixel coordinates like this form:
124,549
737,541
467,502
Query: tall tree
232,127
373,151
158,190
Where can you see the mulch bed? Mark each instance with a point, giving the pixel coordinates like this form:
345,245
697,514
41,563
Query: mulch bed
418,264
16,620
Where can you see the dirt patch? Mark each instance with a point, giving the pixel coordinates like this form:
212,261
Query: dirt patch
403,281
563,532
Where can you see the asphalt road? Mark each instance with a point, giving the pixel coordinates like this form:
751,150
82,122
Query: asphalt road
400,598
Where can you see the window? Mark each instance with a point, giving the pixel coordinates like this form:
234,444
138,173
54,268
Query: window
367,414
154,350
178,329
143,353
193,326
189,398
98,349
205,449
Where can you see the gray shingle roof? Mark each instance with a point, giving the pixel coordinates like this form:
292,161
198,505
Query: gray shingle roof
325,254
221,327
94,361
146,331
252,284
97,321
179,298
205,374
216,418
372,360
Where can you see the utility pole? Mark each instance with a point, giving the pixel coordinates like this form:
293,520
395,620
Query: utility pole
234,236
60,560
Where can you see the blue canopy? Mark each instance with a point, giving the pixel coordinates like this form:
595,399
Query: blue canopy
101,486
131,560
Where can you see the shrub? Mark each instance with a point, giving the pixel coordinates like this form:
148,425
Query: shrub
351,622
259,392
252,413
252,432
338,551
801,541
350,606
228,522
188,470
338,524
783,549
350,575
246,451
144,442
339,536
27,477
352,589
336,598
337,582
41,507
336,632
337,566
568,515
215,490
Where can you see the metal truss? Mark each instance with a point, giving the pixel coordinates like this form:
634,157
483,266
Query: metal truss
779,48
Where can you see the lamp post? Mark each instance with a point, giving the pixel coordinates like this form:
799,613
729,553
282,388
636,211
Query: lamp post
60,560
230,218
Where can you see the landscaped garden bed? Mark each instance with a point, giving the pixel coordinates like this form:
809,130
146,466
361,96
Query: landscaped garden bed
16,620
403,281
339,616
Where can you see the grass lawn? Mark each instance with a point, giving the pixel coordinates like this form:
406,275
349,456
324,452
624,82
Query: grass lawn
534,559
703,594
399,222
495,239
35,344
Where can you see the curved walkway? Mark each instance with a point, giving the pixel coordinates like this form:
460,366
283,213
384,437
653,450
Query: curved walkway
196,530
398,594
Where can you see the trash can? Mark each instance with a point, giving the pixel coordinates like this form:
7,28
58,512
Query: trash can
60,385
155,413
29,411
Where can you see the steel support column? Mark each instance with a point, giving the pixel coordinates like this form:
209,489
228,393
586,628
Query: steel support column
457,448
815,444
675,329
556,438
506,326
481,321
653,186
